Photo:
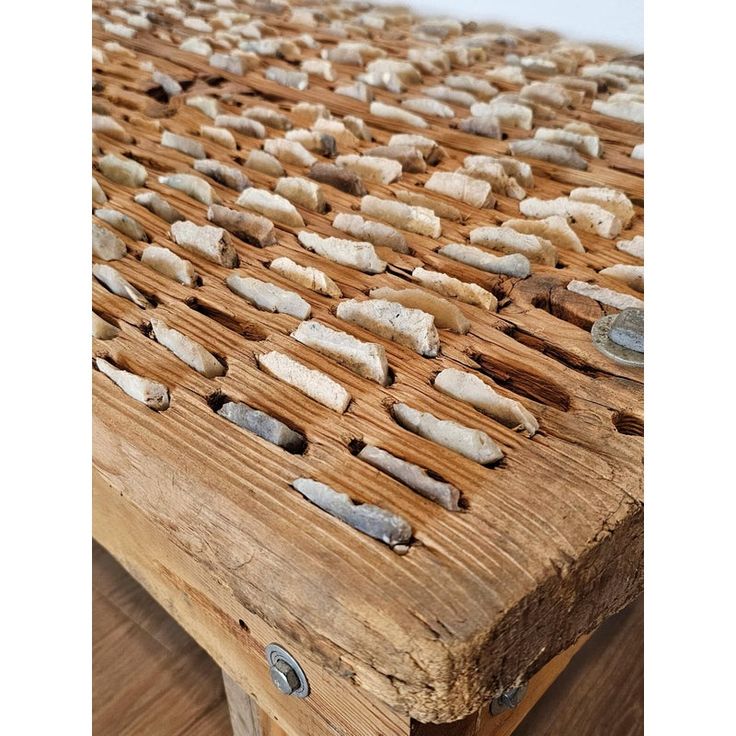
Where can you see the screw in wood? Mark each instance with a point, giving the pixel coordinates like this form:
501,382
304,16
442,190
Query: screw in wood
286,674
508,699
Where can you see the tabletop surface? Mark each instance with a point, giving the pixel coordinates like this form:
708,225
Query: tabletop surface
547,541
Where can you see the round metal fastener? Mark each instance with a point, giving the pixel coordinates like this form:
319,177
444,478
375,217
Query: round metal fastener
286,674
508,699
600,334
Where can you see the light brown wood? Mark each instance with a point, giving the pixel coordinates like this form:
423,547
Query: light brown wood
230,628
551,541
246,717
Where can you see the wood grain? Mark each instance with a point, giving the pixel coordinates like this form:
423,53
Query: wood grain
551,541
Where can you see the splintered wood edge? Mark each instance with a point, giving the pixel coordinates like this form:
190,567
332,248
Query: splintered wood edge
443,674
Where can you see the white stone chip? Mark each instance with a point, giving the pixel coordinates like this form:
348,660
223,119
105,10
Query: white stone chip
512,265
367,359
634,247
270,205
220,136
206,105
371,168
412,328
313,383
446,315
241,124
302,192
154,395
508,240
356,254
588,217
622,110
491,170
475,192
290,152
212,243
118,285
605,296
169,264
612,200
102,329
390,112
455,289
106,245
632,276
183,144
468,442
155,203
555,153
374,232
554,228
122,223
123,170
587,144
306,276
637,152
418,220
193,186
467,387
268,296
187,350
508,113
265,163
428,106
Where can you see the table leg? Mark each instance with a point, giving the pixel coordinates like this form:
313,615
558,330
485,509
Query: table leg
246,717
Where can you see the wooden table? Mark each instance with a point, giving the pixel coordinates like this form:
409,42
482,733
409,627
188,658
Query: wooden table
204,516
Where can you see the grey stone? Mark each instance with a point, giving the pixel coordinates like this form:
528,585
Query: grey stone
265,426
627,329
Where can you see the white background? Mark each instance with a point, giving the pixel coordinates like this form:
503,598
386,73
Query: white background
617,22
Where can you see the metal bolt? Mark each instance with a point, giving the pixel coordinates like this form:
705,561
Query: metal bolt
626,333
508,699
286,674
284,677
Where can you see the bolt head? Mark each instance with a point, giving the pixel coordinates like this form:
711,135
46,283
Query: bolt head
284,677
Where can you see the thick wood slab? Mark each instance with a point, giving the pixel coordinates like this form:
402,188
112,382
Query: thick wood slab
550,542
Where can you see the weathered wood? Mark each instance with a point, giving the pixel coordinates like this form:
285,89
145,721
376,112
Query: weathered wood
550,541
246,717
228,626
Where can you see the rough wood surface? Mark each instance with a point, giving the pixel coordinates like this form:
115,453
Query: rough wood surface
246,717
550,541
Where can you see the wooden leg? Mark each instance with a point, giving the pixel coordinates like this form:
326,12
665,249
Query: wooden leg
246,717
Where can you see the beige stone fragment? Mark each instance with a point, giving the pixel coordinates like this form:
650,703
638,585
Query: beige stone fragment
371,168
634,247
313,383
241,124
390,112
268,116
212,243
338,130
470,388
468,442
247,226
547,93
123,170
622,110
553,228
587,144
454,288
612,200
106,245
508,240
605,296
109,126
98,195
412,328
122,223
508,113
102,329
516,264
418,220
632,276
475,192
367,359
554,153
169,264
265,163
118,285
290,152
187,350
374,232
156,204
222,136
428,106
270,205
306,276
302,192
588,217
268,296
443,93
206,105
446,315
154,395
193,186
356,254
287,78
183,144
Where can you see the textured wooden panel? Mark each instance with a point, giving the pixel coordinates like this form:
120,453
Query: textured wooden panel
550,542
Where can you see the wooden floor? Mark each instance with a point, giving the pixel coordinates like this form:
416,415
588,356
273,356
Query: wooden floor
150,677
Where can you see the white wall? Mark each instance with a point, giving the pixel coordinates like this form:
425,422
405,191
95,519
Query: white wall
618,22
